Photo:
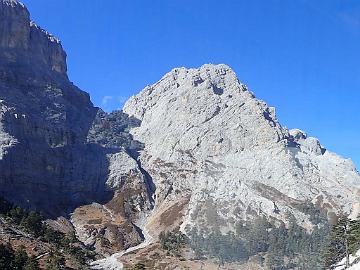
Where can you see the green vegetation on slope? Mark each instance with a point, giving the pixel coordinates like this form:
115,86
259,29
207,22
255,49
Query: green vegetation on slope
275,245
173,241
344,241
16,260
33,223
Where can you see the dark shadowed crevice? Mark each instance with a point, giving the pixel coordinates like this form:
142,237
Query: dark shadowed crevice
217,90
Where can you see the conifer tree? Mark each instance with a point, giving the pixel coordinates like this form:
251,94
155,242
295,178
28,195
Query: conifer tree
6,256
344,240
32,264
20,258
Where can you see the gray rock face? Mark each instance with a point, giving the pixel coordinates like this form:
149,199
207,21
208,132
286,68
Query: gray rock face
216,154
111,130
26,50
208,138
57,151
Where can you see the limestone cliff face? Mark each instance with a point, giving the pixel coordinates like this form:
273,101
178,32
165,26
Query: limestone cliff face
25,48
44,117
33,78
197,143
208,139
58,151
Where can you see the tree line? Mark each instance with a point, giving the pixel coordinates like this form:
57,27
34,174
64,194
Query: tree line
16,259
32,222
275,245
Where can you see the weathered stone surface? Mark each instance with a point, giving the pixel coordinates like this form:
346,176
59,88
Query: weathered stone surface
111,130
206,136
98,227
58,151
217,155
26,49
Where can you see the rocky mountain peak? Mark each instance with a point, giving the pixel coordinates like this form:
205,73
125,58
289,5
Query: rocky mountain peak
208,139
195,150
205,110
27,51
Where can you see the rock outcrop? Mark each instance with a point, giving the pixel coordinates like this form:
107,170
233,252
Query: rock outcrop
27,51
197,144
58,151
208,139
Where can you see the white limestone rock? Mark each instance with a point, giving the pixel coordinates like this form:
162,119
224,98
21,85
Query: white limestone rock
207,137
120,165
6,140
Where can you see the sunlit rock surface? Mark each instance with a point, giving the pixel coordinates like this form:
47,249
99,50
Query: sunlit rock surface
209,139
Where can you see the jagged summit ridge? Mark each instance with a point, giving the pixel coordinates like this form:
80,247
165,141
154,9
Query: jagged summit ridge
203,97
50,36
13,3
207,138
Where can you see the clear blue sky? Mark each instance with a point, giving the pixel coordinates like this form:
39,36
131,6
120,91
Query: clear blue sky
301,56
